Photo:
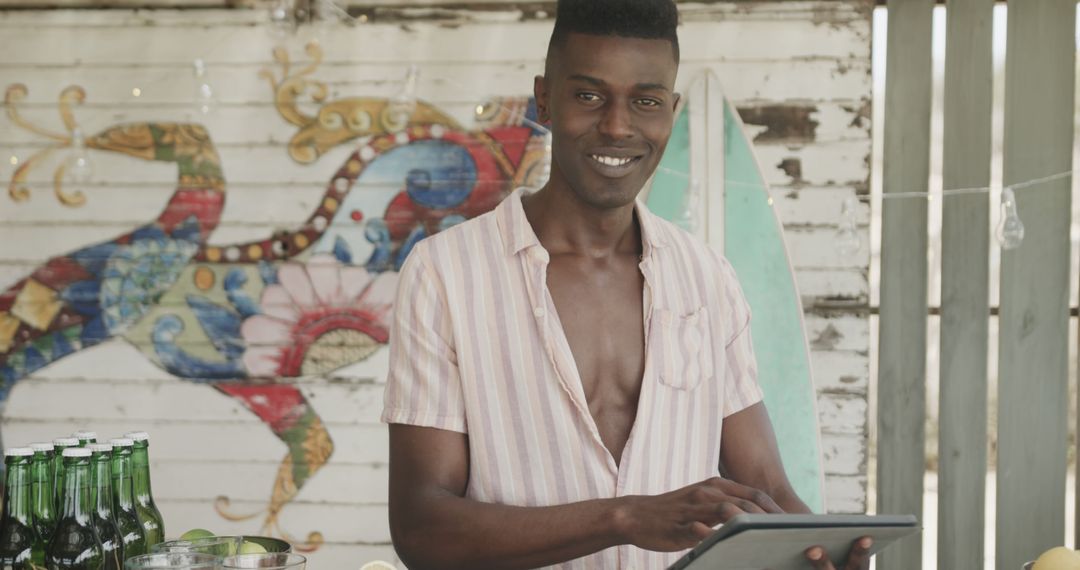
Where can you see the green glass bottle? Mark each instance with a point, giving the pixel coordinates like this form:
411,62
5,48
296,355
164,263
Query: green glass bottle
21,548
149,515
85,437
74,544
42,487
59,445
127,518
112,543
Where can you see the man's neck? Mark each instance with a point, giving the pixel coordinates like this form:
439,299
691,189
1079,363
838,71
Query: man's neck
566,225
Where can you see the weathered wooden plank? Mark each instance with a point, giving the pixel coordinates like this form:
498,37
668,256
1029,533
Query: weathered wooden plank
822,287
1033,370
840,332
846,493
335,483
842,414
337,403
785,123
965,286
840,372
243,37
174,84
844,454
209,440
837,164
268,204
902,364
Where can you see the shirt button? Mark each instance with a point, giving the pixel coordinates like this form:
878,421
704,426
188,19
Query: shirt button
538,312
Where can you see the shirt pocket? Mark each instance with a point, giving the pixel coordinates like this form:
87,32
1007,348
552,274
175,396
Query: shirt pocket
685,354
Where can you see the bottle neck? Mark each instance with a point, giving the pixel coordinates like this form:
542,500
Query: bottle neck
43,484
77,495
17,491
122,480
102,477
140,461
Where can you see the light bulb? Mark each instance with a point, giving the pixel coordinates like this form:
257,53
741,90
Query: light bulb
282,18
691,197
1010,232
847,240
205,99
401,107
78,167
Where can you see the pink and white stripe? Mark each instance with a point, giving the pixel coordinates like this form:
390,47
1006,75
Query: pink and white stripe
476,347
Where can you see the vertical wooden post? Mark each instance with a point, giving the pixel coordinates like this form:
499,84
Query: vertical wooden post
902,369
1034,282
965,279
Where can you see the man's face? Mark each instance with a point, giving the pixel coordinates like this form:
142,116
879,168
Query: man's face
611,104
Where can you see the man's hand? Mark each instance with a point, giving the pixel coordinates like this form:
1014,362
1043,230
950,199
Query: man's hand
684,517
858,557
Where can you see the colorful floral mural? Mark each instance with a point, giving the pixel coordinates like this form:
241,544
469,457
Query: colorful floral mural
302,302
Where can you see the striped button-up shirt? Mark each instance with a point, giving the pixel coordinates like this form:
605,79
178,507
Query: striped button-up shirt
476,347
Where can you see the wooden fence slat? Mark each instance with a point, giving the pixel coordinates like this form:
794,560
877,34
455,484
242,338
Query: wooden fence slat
1039,69
965,284
902,368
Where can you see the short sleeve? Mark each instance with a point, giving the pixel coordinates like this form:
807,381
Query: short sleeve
423,387
741,388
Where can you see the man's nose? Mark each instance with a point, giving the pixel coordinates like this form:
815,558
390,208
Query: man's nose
616,122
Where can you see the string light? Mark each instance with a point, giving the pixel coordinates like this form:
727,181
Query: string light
136,92
402,106
205,98
1010,232
847,239
78,168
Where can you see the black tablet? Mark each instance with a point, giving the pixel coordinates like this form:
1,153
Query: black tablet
778,542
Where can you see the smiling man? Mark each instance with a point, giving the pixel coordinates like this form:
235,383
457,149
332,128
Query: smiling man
569,373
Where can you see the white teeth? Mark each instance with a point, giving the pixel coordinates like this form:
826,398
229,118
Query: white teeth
611,160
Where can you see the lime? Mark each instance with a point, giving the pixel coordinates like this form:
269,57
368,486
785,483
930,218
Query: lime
196,533
378,565
251,548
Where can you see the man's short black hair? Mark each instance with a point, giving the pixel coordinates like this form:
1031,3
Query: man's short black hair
642,19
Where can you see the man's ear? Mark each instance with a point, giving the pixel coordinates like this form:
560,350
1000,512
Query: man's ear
675,104
540,94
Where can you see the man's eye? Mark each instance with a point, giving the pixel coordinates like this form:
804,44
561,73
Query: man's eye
588,97
649,102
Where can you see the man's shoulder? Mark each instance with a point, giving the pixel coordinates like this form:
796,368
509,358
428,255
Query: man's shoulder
461,238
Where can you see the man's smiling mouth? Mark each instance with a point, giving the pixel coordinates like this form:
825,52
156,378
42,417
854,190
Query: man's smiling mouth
615,161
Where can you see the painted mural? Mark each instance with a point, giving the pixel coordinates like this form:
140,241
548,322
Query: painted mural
248,317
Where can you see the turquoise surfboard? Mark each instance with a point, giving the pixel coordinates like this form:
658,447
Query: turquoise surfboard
709,146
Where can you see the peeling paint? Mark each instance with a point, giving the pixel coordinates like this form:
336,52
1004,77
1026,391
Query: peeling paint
793,168
784,123
827,339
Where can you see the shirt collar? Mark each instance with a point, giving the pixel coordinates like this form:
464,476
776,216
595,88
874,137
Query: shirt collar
518,235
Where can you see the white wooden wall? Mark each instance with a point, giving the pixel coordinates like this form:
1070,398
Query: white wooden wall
800,70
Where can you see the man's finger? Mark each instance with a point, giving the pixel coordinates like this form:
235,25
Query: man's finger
859,556
700,530
760,498
818,559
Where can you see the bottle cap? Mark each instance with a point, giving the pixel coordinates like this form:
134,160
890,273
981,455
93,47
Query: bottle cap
18,452
138,435
65,441
42,446
85,434
99,447
121,442
76,452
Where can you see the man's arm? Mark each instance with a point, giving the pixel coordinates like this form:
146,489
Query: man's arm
749,455
434,526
